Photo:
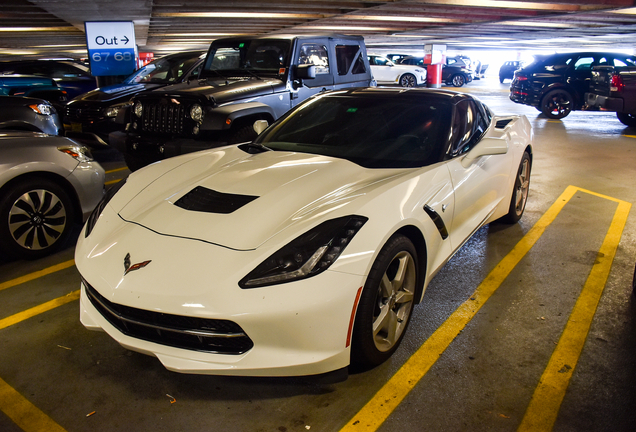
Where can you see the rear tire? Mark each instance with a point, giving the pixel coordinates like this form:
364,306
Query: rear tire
627,119
557,103
36,218
520,191
386,304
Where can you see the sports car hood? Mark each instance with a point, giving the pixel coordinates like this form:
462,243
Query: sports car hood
226,90
229,198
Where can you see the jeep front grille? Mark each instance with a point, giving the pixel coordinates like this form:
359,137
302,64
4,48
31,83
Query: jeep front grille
193,333
163,118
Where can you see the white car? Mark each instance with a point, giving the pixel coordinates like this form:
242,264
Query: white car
386,72
305,250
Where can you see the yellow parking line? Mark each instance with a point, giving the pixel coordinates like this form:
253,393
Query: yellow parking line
23,413
378,409
37,310
546,400
116,170
108,183
37,274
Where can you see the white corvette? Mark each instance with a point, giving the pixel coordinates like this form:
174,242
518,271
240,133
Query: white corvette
306,250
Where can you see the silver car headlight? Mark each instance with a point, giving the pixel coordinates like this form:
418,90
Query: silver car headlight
138,109
196,113
77,152
307,255
43,108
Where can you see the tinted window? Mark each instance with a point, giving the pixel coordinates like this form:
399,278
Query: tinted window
374,132
584,63
345,57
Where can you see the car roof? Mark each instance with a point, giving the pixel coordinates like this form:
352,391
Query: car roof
400,92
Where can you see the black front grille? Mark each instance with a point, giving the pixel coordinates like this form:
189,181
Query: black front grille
164,118
193,333
75,112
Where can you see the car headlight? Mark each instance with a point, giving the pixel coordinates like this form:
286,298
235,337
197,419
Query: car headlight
112,111
92,219
306,255
42,108
138,109
77,152
196,113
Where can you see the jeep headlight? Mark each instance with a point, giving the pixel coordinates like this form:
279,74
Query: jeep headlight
196,113
138,109
112,111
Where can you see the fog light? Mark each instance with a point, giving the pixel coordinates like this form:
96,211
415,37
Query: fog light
195,130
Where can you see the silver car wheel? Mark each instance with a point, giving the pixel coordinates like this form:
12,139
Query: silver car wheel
37,219
394,301
523,185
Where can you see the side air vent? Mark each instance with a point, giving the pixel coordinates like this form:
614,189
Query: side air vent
502,123
202,199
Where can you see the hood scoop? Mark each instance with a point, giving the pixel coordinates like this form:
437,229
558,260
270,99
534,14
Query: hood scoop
206,200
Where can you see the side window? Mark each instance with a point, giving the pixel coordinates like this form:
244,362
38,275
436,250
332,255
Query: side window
346,56
359,66
618,62
470,121
584,63
381,61
316,54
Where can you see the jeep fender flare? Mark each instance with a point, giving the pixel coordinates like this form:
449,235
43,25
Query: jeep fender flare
217,118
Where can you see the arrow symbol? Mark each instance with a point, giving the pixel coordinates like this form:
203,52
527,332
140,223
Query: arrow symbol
125,38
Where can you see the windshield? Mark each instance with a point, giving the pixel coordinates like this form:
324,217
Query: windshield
247,58
378,131
164,70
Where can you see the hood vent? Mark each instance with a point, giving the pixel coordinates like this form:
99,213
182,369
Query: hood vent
501,124
210,201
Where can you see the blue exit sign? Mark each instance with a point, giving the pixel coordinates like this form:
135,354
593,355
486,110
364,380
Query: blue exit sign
111,47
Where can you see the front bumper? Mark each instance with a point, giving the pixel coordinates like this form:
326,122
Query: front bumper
298,328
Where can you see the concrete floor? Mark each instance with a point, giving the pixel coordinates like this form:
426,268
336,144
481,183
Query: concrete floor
483,381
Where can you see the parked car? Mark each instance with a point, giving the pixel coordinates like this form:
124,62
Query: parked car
48,184
556,84
305,250
33,86
31,114
507,70
71,76
456,74
614,89
387,72
243,79
91,116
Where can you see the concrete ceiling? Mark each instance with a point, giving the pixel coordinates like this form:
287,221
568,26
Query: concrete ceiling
55,28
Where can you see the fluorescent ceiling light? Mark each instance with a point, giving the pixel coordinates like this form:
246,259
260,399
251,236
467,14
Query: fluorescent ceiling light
347,28
31,29
267,15
628,11
197,34
397,18
534,24
514,5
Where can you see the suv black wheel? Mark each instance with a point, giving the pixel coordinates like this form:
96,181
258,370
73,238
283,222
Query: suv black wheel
627,119
557,103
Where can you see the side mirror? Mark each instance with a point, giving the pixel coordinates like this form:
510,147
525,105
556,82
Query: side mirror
486,147
260,126
306,71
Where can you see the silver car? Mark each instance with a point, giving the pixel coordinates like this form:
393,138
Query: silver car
47,185
27,113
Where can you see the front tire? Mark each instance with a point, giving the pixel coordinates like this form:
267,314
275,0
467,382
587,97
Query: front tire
36,218
520,191
627,119
458,80
386,304
557,104
408,80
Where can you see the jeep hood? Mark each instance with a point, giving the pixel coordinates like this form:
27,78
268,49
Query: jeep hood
265,194
226,90
115,93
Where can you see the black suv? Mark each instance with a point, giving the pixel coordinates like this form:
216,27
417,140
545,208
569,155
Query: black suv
556,84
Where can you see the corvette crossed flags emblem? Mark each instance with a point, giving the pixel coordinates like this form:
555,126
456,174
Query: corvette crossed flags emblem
128,268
